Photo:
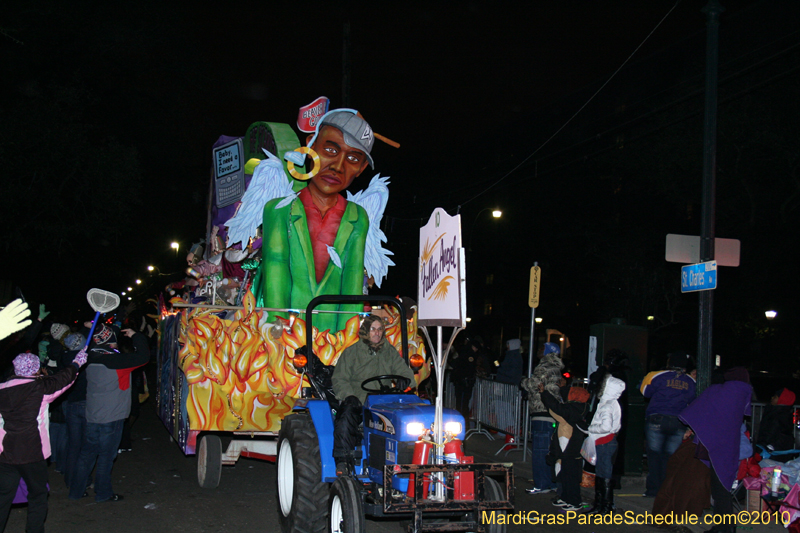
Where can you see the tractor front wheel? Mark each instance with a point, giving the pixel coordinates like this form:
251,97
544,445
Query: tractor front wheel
346,512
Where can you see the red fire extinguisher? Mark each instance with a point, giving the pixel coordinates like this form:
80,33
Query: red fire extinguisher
422,456
464,482
453,451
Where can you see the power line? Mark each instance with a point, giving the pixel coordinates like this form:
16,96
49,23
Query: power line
613,75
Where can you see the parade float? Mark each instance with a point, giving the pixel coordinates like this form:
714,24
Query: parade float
229,331
250,339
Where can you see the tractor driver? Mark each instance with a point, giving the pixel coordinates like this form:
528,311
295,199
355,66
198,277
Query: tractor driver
372,356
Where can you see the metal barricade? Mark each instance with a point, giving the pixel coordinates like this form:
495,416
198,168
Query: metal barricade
497,406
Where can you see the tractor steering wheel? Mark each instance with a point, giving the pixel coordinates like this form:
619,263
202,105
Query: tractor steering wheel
401,386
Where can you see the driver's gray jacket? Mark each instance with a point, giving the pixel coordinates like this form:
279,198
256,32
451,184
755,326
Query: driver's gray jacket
358,362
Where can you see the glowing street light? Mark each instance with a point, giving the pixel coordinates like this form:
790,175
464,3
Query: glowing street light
150,268
138,282
538,320
130,289
496,213
770,314
175,246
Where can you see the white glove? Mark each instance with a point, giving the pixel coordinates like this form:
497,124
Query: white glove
12,318
80,358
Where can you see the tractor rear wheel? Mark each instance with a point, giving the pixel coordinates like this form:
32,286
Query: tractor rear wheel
302,496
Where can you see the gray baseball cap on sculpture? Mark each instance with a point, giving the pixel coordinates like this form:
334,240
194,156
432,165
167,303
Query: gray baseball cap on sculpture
355,130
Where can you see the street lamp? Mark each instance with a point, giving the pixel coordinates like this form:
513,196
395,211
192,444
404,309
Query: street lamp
150,268
770,314
496,213
174,245
138,282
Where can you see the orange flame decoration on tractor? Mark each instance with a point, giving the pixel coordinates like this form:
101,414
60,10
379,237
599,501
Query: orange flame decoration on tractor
240,373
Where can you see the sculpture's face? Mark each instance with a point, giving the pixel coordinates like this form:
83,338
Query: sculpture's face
339,164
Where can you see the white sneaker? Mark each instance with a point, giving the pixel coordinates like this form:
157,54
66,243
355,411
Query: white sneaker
570,507
559,502
536,490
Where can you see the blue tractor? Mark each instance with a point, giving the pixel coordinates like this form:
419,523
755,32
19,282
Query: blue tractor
448,494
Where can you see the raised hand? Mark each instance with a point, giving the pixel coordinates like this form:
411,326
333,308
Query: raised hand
80,358
12,318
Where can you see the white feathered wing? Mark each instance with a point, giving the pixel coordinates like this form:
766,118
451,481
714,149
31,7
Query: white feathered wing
269,181
373,199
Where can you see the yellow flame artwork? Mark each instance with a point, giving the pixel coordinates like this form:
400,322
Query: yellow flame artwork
240,373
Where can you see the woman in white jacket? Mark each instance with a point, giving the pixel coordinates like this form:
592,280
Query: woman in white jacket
605,425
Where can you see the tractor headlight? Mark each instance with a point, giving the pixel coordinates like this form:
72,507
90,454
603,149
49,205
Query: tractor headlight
454,428
415,429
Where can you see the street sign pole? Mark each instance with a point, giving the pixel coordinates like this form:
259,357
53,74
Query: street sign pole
705,354
533,302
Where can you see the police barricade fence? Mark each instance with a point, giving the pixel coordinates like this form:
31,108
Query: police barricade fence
497,406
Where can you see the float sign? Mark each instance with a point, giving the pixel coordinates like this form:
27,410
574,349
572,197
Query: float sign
699,277
441,284
228,161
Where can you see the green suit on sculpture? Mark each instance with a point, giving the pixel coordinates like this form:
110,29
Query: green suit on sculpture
288,262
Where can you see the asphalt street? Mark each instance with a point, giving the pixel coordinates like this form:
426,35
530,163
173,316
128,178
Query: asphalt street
160,490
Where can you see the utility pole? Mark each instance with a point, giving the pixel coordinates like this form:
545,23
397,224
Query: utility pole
705,352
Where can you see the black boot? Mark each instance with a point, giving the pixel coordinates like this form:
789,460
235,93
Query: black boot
345,462
608,496
599,495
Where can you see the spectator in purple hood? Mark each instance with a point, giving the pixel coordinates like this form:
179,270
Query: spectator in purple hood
716,418
24,439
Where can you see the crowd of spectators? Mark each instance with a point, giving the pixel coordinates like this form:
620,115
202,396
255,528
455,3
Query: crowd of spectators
84,390
694,445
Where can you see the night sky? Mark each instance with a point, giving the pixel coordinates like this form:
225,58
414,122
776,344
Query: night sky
109,114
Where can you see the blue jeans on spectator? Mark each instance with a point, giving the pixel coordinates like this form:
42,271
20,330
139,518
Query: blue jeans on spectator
76,429
605,459
541,434
58,444
100,446
663,433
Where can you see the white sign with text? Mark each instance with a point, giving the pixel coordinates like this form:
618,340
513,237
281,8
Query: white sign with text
441,292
